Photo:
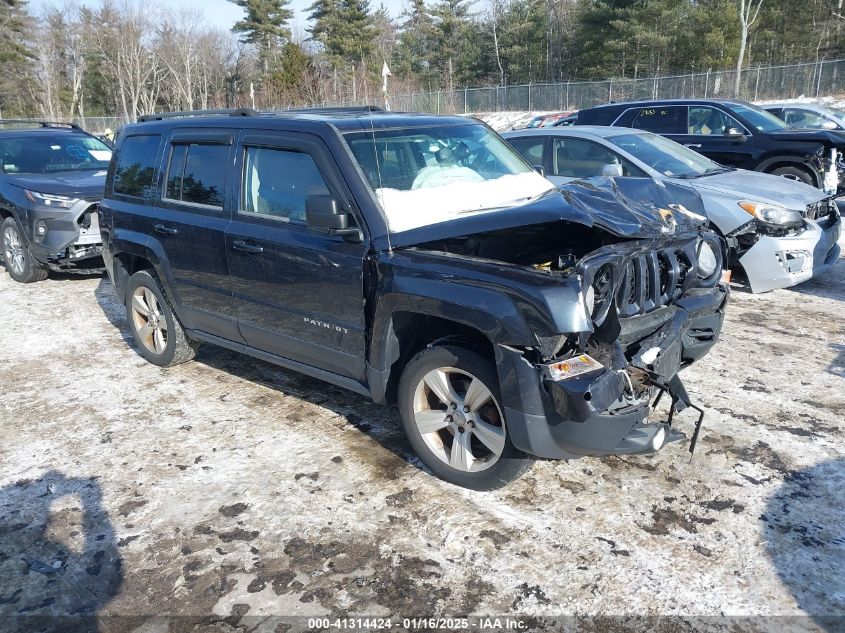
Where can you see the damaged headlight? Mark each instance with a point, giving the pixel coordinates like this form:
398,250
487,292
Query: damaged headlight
770,213
708,261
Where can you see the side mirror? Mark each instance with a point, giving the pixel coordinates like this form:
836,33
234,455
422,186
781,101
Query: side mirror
734,133
613,170
324,216
539,169
829,125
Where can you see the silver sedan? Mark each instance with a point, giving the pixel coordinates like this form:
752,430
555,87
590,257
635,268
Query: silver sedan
781,232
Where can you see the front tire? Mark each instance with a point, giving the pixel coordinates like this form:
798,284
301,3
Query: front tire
450,405
20,264
160,337
795,173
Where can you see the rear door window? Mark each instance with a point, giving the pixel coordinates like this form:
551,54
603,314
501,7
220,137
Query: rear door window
532,148
662,119
577,158
196,174
135,171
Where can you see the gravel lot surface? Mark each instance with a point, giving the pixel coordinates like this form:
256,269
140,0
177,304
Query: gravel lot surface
231,488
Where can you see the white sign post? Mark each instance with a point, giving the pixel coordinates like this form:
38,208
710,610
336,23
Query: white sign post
385,73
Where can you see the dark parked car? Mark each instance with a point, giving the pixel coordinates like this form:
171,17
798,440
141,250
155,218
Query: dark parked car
51,179
418,260
736,134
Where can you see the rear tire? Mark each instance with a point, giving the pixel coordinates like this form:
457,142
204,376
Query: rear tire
450,405
159,336
795,173
20,264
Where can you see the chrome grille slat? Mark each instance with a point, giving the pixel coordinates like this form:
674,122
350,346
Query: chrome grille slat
654,279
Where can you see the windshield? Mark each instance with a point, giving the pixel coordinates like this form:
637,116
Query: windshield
838,114
425,175
759,118
668,157
40,153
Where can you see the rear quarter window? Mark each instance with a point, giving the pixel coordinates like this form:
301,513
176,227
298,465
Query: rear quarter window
135,169
662,119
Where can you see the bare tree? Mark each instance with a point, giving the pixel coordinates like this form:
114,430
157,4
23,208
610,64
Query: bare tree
124,48
749,11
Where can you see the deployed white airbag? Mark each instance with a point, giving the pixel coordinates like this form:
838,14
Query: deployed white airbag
442,193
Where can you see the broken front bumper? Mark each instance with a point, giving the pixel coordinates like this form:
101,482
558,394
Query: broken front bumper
70,240
781,262
589,414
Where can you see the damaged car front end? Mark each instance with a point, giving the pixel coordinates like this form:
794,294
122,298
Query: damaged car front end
618,300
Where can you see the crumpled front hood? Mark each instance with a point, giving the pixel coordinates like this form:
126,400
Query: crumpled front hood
80,184
636,207
753,185
625,207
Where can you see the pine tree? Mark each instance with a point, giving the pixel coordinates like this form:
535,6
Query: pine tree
265,25
415,40
15,55
345,28
451,19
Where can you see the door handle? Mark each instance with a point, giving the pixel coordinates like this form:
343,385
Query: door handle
692,145
246,247
165,230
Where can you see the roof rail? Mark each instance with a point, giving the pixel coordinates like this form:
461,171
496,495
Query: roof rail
39,123
187,113
335,109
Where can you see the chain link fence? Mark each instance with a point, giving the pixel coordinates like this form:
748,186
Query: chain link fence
815,79
761,83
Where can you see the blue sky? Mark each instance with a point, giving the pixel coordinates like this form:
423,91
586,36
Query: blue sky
224,14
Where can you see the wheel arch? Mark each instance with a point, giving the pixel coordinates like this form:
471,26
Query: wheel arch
775,162
407,334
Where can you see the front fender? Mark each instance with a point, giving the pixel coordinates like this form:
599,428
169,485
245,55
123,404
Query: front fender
723,210
509,304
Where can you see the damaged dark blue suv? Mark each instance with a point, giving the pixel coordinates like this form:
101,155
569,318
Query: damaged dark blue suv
51,179
418,260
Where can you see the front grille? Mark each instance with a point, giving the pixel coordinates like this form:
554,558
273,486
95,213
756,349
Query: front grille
639,280
654,279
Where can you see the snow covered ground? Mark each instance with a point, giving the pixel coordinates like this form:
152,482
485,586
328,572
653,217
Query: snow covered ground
228,491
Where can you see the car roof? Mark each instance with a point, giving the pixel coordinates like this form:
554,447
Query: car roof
580,131
627,104
27,131
795,104
344,119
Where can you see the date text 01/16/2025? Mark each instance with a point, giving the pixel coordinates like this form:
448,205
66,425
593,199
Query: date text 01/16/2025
418,623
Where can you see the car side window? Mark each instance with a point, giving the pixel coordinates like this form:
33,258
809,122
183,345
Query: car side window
662,119
577,158
276,183
196,174
135,171
800,118
532,148
707,121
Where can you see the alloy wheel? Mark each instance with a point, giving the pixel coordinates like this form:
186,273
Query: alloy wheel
13,250
150,323
459,419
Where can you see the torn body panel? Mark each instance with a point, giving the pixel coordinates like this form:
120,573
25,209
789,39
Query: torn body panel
782,261
641,308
